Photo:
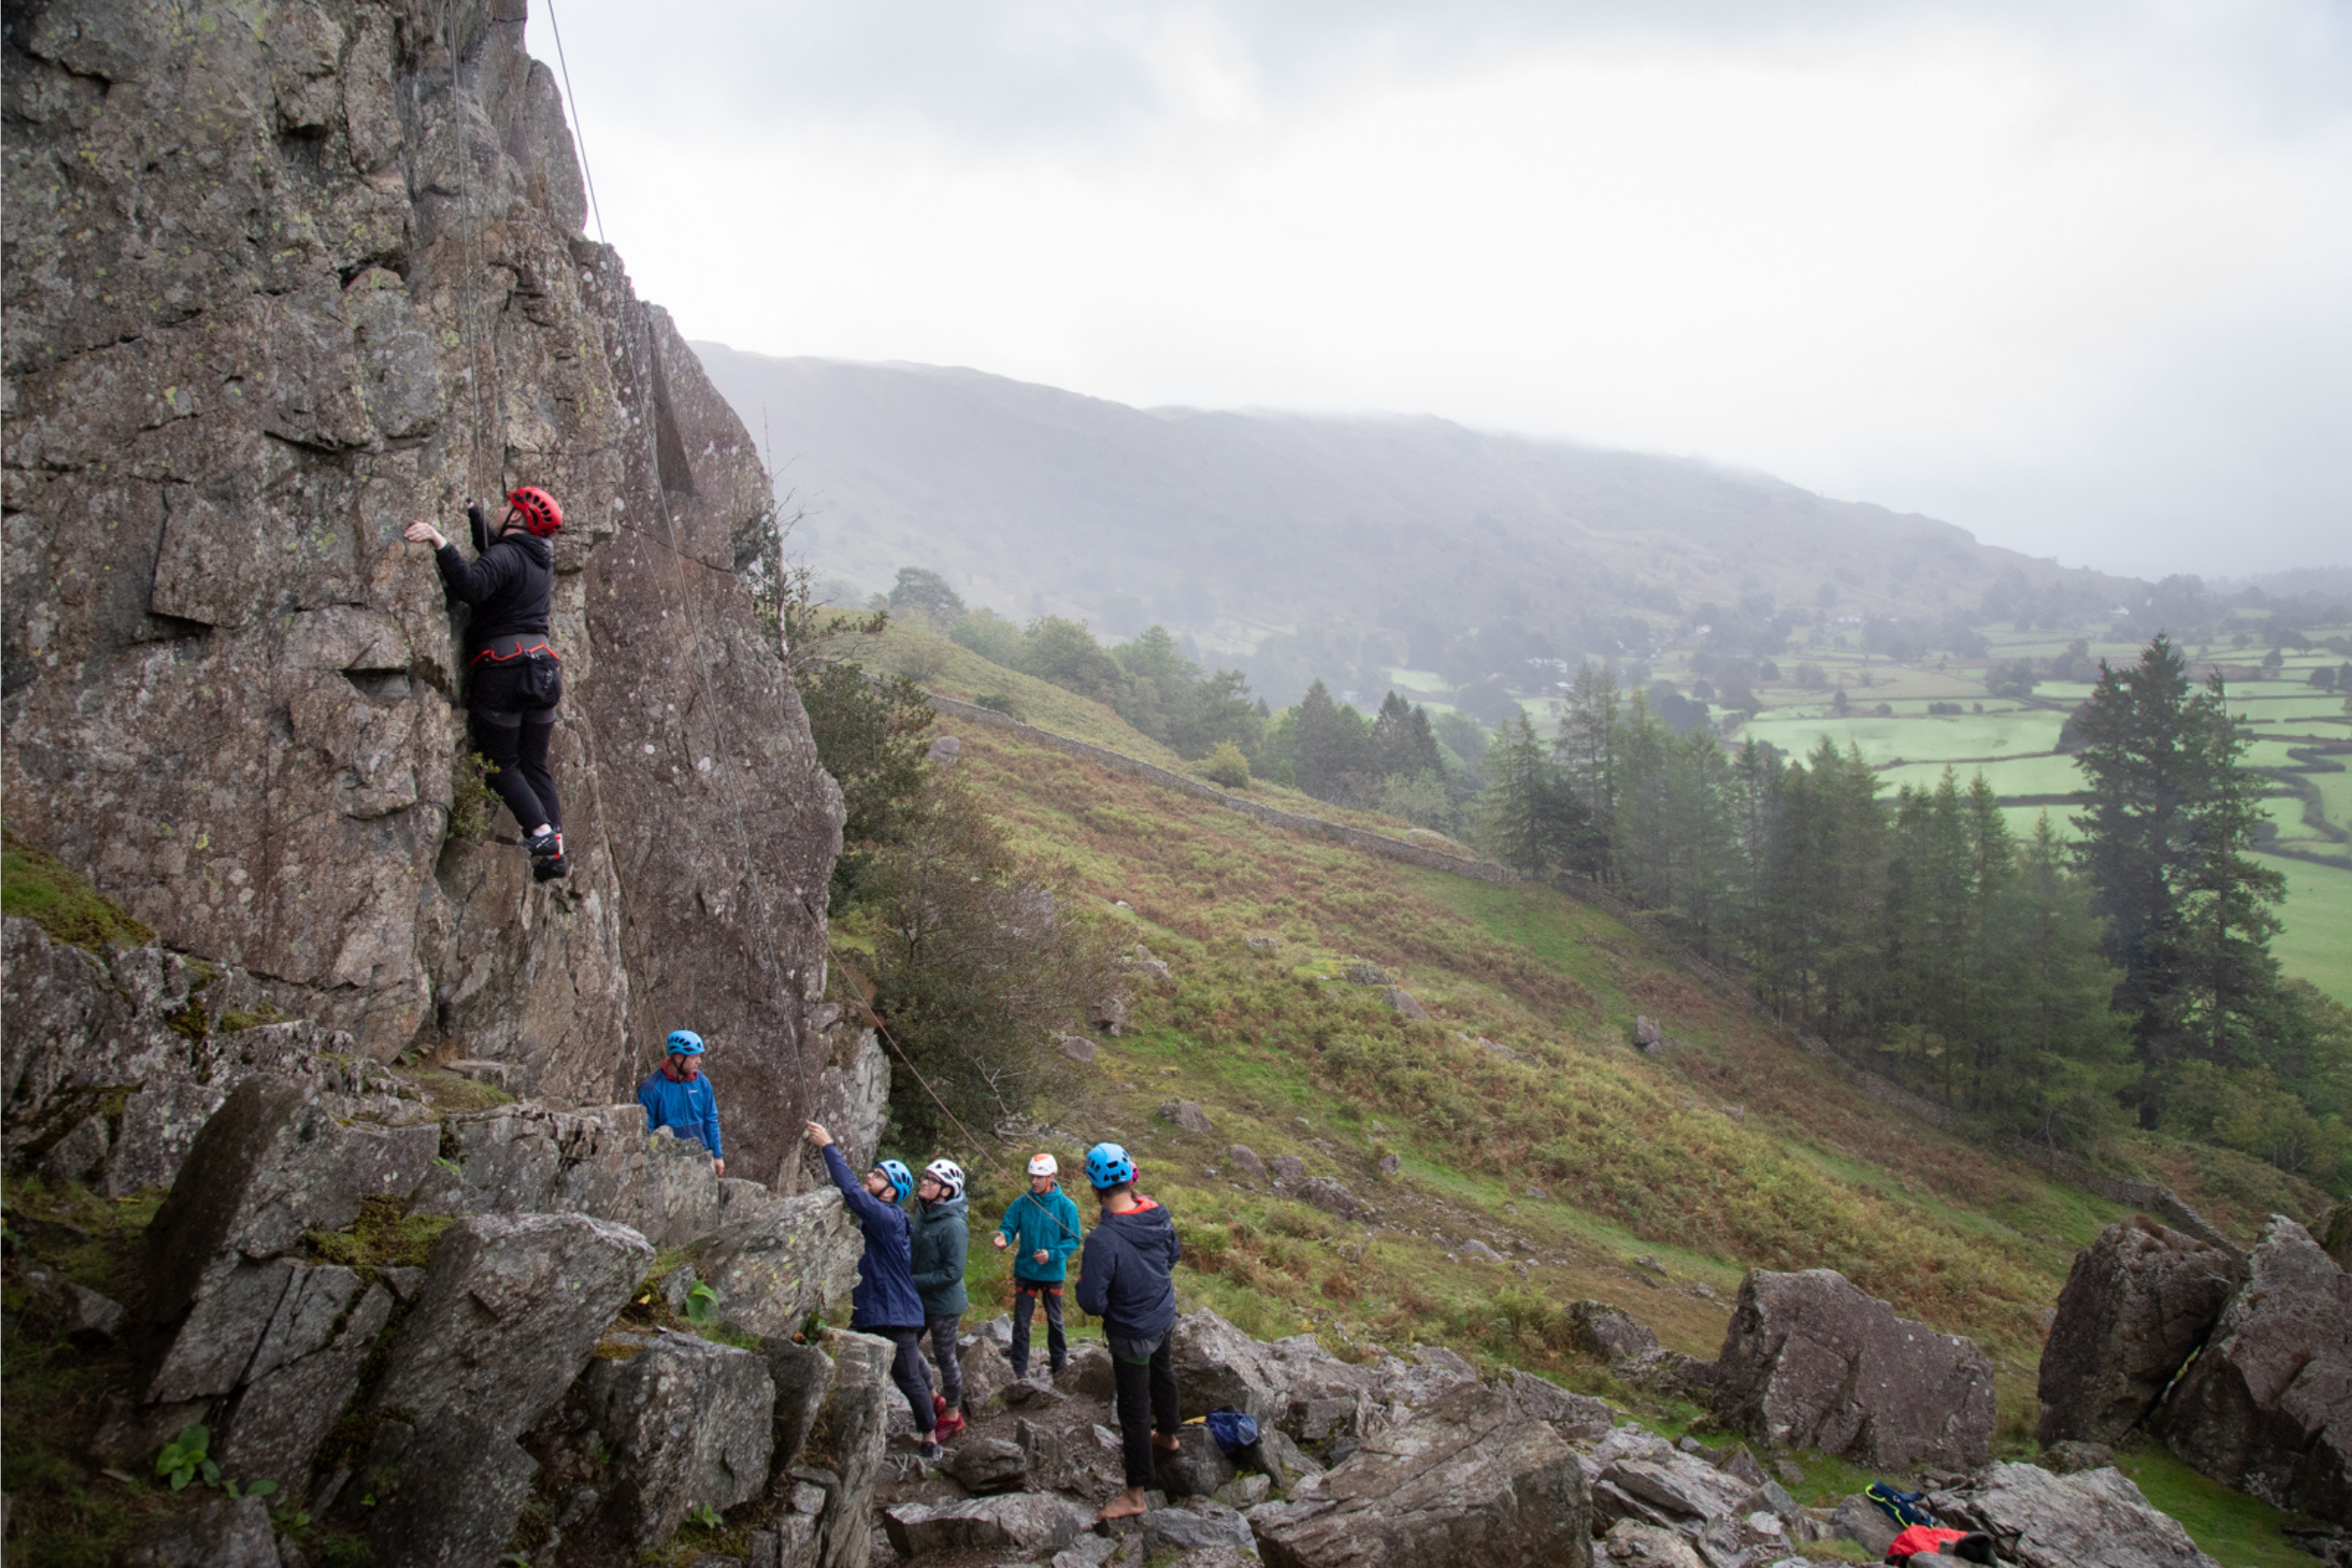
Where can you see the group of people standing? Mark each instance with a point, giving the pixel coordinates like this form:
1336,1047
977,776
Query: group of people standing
911,1280
911,1286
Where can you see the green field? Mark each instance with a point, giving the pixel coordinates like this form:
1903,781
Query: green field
2013,775
2317,943
1916,736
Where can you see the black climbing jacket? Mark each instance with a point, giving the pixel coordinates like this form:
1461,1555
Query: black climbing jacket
509,587
510,666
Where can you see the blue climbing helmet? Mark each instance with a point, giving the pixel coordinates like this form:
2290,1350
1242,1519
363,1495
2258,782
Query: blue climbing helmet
900,1176
684,1043
1108,1165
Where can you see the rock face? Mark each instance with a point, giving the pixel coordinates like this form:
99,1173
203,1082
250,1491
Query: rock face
347,286
2094,1520
2137,1301
687,1422
508,1316
1472,1479
1810,1361
2268,1407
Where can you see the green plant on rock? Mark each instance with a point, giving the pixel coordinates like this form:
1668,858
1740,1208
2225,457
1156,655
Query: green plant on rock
38,887
187,1458
471,801
701,1513
702,1303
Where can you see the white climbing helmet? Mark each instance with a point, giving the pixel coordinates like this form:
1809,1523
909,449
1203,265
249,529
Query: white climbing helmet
948,1174
1043,1166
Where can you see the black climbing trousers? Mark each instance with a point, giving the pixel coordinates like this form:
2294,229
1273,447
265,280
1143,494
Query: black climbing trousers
1145,1372
516,746
913,1378
1026,1295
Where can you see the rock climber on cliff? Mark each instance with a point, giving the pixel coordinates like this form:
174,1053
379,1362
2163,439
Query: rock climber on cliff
512,678
677,1096
1125,1279
885,1301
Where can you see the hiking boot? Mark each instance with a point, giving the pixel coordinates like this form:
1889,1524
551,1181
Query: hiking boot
550,869
949,1426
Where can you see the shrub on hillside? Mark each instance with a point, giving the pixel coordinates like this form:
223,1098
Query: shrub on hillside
1225,764
976,965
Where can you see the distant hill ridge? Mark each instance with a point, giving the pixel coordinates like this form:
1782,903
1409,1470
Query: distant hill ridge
1235,527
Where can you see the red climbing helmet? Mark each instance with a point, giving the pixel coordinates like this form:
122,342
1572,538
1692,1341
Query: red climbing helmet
540,513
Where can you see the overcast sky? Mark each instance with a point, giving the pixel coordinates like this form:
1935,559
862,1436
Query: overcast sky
2075,276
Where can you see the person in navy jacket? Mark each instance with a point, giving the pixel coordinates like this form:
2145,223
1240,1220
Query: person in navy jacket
1125,1278
679,1097
885,1301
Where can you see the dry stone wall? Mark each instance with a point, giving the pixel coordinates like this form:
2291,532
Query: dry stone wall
279,276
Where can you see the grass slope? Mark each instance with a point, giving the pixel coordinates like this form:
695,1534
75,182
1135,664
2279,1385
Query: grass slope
1521,1118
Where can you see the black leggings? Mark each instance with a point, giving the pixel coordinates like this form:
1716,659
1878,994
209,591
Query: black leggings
516,746
913,1378
942,1330
1145,1371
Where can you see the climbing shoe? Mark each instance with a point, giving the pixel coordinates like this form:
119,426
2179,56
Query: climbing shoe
545,845
550,871
929,1451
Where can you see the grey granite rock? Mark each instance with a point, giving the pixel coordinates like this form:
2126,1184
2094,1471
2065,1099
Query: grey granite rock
510,1315
688,1423
2137,1301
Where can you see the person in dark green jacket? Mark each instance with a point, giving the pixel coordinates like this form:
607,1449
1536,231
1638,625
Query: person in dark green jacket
935,1254
1041,1230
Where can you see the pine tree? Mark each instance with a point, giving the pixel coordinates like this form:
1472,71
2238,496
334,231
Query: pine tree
1330,763
1531,820
2170,819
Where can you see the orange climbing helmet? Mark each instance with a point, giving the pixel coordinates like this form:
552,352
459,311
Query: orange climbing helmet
540,513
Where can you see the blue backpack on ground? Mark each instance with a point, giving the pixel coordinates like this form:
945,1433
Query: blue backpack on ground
1233,1429
1903,1508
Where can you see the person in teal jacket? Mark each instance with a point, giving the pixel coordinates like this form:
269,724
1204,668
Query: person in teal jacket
936,1251
1041,1230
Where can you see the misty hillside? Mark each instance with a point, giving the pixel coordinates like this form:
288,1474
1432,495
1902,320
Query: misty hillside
1279,541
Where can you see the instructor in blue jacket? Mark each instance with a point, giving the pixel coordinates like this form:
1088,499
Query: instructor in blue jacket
679,1097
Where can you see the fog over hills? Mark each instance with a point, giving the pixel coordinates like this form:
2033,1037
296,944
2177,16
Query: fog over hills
1253,533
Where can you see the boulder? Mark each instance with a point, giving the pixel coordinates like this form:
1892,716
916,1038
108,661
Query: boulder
1329,1196
1185,1114
1391,1164
1605,1331
509,1315
1197,1469
863,1397
1075,1046
1107,1014
1197,1524
1241,1158
1404,1003
772,1273
234,1532
302,1378
1275,1457
1246,1492
986,1465
1472,1479
2268,1407
1087,1374
70,1307
2136,1303
1647,1034
1031,1522
803,1376
2094,1520
269,1164
459,1489
1218,1364
2073,1456
943,749
687,1422
1810,1361
1631,1544
1432,1373
533,1157
1286,1168
1861,1521
1577,1417
1263,947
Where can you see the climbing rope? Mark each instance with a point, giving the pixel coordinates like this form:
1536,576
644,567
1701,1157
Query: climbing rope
580,137
976,1145
466,310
